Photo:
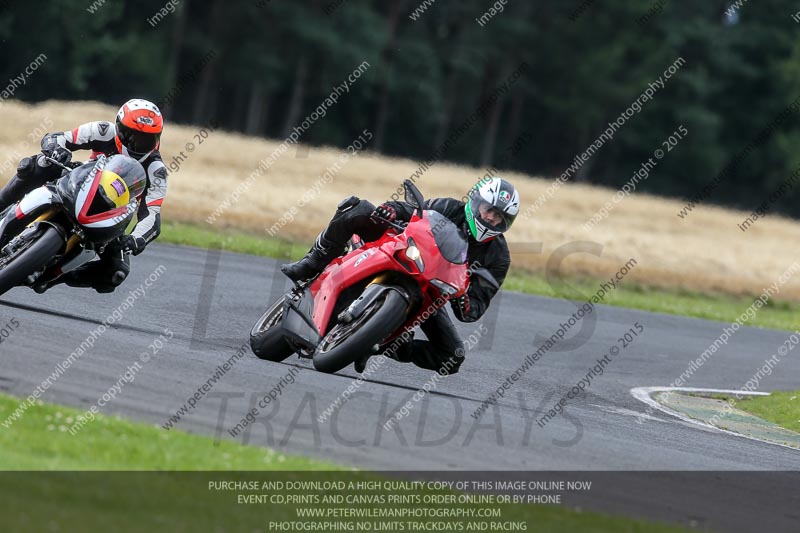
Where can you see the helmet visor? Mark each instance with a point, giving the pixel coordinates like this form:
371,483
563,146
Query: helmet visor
137,142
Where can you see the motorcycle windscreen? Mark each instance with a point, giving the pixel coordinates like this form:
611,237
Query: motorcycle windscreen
449,239
104,205
69,185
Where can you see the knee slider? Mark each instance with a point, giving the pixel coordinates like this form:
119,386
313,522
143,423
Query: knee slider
119,273
347,204
26,167
118,277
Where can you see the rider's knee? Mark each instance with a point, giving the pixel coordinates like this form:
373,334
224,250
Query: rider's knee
114,279
30,169
354,209
116,272
347,204
453,363
26,167
354,215
119,277
360,215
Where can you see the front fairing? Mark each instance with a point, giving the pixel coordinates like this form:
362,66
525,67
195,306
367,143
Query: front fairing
356,267
443,250
388,255
69,184
78,192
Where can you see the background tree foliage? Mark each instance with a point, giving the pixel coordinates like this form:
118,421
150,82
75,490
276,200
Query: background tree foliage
274,61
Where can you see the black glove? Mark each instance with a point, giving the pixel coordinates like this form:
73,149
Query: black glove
461,306
51,148
132,245
384,212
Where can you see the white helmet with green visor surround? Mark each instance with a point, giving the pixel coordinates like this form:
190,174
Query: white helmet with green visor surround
491,207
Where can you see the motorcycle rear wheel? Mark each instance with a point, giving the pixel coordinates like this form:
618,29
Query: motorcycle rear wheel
30,258
266,340
345,343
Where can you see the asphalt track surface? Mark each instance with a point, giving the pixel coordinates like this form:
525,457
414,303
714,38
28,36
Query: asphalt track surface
210,300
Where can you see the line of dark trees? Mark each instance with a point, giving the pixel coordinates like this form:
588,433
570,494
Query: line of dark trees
261,66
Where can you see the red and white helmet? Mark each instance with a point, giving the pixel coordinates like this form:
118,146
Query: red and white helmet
139,126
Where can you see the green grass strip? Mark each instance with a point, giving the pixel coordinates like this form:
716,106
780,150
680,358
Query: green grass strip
40,440
133,500
780,407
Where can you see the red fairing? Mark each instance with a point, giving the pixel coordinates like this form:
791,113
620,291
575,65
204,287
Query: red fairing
387,254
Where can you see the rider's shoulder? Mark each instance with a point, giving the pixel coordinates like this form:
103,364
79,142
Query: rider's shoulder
98,130
155,167
102,130
154,161
500,244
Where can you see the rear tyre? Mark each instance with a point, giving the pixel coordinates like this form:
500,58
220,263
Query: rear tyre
31,257
347,342
266,339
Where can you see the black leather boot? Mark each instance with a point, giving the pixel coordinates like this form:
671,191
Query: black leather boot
318,257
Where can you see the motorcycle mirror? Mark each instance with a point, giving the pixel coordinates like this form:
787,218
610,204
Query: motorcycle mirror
486,275
414,197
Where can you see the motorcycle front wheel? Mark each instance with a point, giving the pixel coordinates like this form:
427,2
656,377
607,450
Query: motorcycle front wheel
346,342
32,256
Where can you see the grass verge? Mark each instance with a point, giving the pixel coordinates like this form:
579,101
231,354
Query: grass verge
780,407
119,494
40,440
724,308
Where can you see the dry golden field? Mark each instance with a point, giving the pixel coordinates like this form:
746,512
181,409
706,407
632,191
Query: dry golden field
706,251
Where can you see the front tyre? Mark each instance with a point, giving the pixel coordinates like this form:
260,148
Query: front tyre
345,343
266,339
31,256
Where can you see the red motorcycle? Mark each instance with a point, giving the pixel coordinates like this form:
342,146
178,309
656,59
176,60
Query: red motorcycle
370,296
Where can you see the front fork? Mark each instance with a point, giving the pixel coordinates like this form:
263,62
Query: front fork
368,297
71,247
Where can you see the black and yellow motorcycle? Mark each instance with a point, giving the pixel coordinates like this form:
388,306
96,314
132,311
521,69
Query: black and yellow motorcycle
63,225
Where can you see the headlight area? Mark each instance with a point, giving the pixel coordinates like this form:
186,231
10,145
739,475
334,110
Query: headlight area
413,254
